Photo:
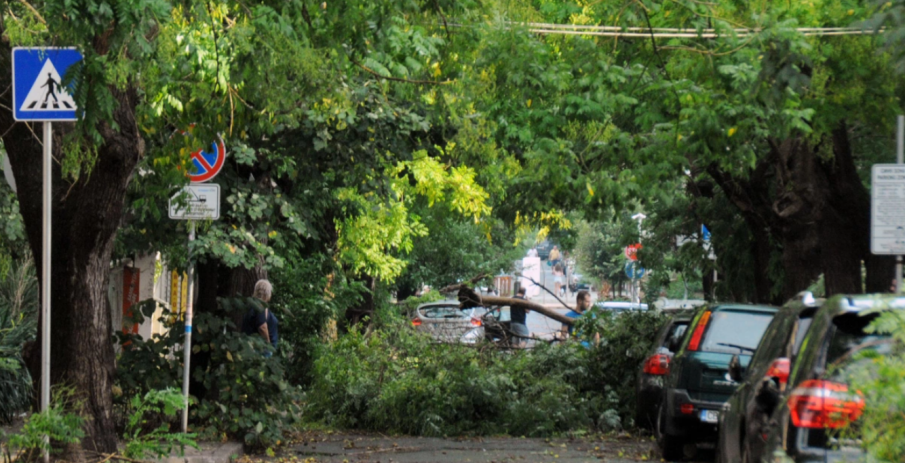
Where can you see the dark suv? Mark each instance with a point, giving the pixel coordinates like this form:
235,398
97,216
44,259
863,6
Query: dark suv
652,374
744,420
817,401
698,383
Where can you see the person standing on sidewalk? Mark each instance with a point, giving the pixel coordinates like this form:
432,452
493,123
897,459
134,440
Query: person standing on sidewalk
519,318
259,320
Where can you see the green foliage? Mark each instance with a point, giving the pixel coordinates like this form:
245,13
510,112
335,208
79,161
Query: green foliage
881,380
159,442
625,341
245,395
18,322
456,249
307,298
57,422
395,379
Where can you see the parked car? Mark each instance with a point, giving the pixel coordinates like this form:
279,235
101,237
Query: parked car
544,248
744,421
698,383
619,306
652,374
817,401
445,321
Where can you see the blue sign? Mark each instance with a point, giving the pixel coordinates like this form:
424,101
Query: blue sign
634,270
705,233
38,90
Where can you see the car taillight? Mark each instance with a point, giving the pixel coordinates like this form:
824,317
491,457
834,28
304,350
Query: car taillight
416,322
657,365
824,404
699,332
475,322
779,369
686,409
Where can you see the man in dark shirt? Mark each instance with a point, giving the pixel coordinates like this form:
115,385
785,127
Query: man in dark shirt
518,316
259,319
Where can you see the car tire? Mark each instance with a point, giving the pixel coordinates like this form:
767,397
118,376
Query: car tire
671,448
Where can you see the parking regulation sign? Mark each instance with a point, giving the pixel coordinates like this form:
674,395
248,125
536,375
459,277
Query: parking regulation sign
196,202
208,162
887,218
38,90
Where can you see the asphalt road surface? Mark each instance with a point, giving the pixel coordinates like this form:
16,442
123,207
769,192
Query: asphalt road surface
351,448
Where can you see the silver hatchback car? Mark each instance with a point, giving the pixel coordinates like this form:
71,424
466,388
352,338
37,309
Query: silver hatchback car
445,321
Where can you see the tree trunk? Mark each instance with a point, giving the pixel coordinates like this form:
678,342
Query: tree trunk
818,213
86,217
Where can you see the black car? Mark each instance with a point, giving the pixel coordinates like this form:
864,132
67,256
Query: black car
544,248
698,383
817,401
652,374
744,419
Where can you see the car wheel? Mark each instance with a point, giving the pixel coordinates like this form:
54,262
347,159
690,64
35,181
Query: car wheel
671,448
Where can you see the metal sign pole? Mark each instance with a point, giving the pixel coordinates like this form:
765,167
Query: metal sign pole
45,273
187,347
900,159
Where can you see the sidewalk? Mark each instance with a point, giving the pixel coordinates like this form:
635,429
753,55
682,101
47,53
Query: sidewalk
211,452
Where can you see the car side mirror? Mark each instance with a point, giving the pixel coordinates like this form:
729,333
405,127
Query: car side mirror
735,368
767,397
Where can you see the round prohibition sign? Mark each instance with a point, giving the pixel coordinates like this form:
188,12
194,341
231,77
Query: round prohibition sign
208,162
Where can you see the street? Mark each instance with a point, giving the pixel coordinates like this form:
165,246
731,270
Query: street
354,447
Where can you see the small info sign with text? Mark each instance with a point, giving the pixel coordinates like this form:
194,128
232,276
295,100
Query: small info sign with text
201,201
887,227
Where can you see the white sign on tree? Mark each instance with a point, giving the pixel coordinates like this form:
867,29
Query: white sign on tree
888,209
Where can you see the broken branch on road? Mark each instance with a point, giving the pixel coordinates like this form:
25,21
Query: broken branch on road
469,298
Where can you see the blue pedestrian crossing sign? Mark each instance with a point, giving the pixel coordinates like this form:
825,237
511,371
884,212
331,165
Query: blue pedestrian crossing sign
38,90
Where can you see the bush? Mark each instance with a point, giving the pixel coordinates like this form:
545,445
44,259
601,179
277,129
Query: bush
58,422
241,393
881,379
18,320
395,379
624,344
305,308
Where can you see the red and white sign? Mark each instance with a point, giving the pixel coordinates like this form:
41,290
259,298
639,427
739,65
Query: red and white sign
208,162
631,251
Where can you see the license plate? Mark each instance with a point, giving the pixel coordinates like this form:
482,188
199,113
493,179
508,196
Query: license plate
710,416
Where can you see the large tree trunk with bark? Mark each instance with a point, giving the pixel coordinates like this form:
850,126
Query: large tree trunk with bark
86,217
818,211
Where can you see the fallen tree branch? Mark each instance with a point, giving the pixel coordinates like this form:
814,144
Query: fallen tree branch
456,287
469,298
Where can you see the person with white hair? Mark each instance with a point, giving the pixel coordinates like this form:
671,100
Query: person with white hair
259,319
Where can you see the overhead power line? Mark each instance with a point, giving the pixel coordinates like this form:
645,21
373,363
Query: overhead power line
669,32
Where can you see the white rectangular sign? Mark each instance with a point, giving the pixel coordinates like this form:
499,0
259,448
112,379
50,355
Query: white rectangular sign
887,218
202,202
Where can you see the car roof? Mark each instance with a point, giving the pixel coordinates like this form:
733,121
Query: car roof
440,304
745,307
620,304
843,304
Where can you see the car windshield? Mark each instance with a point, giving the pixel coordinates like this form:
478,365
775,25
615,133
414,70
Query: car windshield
735,331
444,311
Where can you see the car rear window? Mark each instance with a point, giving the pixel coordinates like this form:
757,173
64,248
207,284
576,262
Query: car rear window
729,328
849,338
444,311
676,331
